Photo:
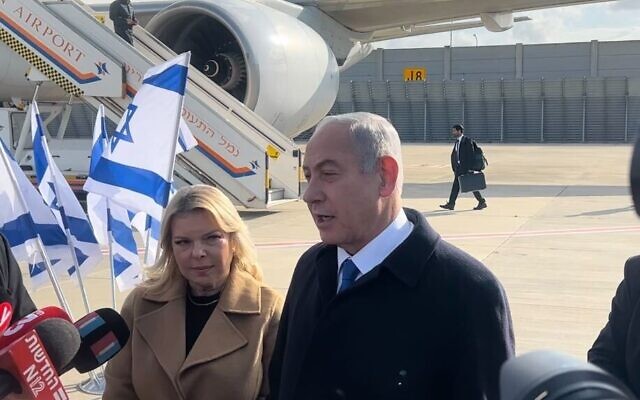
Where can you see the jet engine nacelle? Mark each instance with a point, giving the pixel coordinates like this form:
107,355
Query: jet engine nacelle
272,62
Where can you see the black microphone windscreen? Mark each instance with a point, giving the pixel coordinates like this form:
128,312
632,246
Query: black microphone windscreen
556,376
60,339
104,333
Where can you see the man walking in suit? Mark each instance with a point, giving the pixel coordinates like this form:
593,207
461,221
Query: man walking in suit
383,307
461,161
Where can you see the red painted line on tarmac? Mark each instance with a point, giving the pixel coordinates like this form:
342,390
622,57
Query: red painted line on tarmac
284,245
578,231
466,236
487,235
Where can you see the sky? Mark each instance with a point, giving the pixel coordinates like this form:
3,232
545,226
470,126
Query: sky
617,20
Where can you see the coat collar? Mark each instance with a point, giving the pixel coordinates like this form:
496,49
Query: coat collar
402,262
408,260
240,295
162,324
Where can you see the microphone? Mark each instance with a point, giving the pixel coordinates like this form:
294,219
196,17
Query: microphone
31,363
554,376
103,334
29,322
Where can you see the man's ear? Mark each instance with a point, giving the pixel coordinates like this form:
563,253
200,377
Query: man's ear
388,169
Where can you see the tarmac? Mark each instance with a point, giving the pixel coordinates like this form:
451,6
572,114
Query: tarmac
558,228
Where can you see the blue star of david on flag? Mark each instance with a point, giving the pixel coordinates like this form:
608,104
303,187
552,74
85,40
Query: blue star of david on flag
139,173
125,132
54,203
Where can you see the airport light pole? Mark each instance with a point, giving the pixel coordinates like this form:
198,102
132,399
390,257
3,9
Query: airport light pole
476,36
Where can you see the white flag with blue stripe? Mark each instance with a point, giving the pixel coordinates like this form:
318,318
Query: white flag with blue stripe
110,221
23,216
138,170
58,195
97,204
149,229
186,140
126,262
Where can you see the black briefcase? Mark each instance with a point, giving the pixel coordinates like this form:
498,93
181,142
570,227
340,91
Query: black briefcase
472,181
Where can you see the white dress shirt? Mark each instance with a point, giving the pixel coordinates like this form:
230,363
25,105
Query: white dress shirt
374,252
457,148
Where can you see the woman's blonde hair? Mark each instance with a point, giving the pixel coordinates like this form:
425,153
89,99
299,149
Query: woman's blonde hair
210,199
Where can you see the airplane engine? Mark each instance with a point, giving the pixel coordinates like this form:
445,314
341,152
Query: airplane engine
272,62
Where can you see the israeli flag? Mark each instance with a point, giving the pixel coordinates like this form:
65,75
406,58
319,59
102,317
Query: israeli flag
24,216
58,195
138,170
110,221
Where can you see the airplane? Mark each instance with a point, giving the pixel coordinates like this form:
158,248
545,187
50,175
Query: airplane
283,59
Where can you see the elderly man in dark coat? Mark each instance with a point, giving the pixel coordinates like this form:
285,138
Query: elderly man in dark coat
383,308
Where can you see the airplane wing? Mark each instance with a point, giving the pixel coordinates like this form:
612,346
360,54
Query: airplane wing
425,29
379,15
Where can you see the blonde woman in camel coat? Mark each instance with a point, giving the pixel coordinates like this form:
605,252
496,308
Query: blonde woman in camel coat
203,326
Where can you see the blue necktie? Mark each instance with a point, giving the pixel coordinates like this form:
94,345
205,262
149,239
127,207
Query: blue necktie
348,273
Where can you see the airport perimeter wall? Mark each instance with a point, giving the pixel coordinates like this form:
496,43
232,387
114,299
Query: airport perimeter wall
590,110
556,93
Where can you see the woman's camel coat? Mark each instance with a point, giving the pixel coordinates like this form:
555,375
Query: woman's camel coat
229,360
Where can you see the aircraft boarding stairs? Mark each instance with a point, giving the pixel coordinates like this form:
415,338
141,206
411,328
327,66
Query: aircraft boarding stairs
237,151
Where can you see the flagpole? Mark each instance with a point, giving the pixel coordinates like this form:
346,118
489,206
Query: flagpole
112,267
174,144
148,239
71,242
72,248
54,281
94,385
113,275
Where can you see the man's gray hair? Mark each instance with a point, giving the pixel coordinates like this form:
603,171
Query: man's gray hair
373,137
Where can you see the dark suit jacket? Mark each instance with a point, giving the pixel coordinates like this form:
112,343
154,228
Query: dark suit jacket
429,322
11,286
466,156
617,349
119,13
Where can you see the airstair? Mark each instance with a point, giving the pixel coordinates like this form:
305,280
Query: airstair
237,151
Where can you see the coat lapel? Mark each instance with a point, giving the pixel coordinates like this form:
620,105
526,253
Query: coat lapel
218,338
163,329
327,272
